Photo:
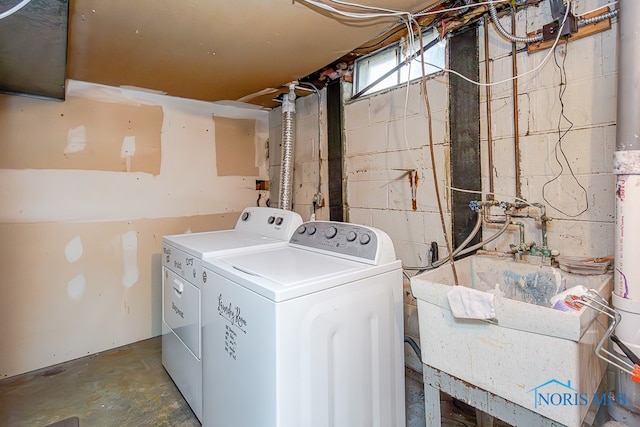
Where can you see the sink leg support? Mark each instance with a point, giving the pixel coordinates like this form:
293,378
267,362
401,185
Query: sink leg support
432,413
488,403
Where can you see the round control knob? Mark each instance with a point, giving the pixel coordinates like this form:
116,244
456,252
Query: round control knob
245,216
302,229
271,219
311,230
279,220
351,236
365,238
331,232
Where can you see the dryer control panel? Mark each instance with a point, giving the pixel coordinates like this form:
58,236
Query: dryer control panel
269,222
351,240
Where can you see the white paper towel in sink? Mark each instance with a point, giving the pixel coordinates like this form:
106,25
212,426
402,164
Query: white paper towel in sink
468,303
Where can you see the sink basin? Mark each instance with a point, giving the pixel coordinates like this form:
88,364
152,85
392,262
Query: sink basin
531,354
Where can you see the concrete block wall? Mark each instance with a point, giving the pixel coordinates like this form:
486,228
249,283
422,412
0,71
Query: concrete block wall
588,69
386,136
384,142
310,155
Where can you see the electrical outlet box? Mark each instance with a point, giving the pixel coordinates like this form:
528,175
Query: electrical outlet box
318,200
550,30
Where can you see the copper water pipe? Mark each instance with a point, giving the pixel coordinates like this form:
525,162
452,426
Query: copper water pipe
488,99
516,129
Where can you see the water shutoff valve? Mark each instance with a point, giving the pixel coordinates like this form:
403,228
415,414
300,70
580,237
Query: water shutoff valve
504,205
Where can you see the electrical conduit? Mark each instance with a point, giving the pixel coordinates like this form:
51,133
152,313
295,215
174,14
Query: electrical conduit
538,37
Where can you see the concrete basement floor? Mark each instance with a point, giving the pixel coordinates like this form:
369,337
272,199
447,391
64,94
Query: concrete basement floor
128,386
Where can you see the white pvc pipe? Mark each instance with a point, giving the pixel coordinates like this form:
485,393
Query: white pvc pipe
627,284
627,169
626,292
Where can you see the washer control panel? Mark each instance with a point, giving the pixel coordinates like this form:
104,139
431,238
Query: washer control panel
338,237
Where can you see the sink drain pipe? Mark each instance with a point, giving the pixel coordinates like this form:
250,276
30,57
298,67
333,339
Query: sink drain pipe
286,155
626,294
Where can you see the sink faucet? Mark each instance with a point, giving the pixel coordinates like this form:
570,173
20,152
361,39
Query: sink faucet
546,252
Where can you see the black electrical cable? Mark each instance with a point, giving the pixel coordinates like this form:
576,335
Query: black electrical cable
414,345
561,135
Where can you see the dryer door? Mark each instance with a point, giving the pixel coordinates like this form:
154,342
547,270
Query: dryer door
181,309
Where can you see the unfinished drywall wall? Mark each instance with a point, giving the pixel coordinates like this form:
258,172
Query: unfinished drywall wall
80,134
235,147
73,289
81,244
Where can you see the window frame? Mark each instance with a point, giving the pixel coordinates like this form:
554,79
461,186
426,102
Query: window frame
403,74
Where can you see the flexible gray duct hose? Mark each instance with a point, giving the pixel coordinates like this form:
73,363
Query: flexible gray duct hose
587,21
287,159
501,30
537,38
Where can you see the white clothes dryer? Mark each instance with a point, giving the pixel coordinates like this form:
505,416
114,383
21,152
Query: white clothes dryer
182,282
304,335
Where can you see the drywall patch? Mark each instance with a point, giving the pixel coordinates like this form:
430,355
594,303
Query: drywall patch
130,259
128,149
75,287
235,147
76,140
35,259
79,133
73,250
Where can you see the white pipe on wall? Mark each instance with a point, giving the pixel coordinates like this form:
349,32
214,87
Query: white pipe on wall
627,169
626,293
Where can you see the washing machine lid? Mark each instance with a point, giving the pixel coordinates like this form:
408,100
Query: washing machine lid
256,226
288,272
201,245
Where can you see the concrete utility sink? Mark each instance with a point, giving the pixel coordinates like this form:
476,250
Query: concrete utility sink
531,352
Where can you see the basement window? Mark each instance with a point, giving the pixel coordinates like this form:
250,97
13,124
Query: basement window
371,68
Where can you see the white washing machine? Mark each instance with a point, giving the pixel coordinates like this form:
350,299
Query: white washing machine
182,283
310,334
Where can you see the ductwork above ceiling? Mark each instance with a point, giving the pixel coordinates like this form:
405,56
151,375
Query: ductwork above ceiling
199,49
